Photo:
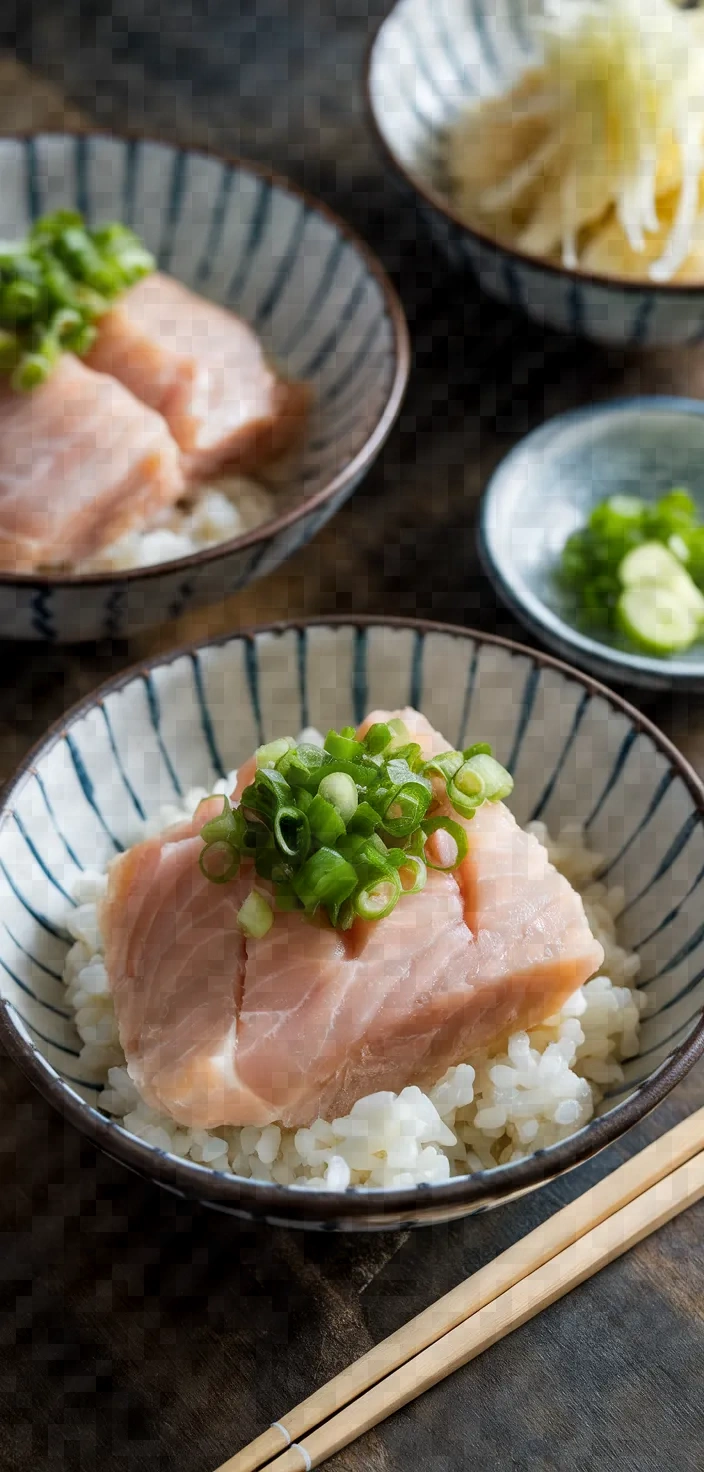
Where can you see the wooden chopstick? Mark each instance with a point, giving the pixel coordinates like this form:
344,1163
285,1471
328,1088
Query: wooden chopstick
553,1237
542,1287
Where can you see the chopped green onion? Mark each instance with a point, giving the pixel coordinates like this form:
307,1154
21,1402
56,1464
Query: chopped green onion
326,878
349,731
32,370
19,301
480,748
219,861
364,773
343,748
445,764
407,807
229,825
305,765
378,899
55,284
456,831
313,822
365,853
326,823
292,832
340,790
255,917
364,820
497,783
269,755
400,734
628,544
9,351
415,870
269,780
378,737
466,803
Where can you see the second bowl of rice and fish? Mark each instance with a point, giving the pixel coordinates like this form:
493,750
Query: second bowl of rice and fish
354,923
557,149
198,365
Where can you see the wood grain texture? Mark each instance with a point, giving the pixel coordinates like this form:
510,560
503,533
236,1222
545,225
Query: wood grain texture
139,1333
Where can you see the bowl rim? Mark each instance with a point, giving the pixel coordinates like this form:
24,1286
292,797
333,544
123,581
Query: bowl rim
290,1204
439,202
534,610
368,451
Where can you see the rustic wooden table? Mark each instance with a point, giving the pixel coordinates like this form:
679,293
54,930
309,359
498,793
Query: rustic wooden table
138,1332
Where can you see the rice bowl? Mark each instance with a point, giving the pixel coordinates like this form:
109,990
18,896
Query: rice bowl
137,748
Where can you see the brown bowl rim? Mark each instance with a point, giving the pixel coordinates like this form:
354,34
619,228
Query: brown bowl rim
368,451
284,1203
442,205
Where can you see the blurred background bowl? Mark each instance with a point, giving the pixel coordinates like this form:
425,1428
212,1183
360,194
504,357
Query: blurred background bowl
319,300
429,60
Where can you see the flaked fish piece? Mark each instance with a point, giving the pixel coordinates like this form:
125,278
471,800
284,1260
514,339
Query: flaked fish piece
81,462
306,1019
176,961
205,370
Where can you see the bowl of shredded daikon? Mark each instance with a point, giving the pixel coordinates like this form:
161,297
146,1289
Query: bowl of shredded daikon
557,149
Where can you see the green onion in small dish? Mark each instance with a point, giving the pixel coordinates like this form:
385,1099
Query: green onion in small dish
567,507
637,569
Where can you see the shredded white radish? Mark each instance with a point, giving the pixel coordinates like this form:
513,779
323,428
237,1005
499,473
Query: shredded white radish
619,104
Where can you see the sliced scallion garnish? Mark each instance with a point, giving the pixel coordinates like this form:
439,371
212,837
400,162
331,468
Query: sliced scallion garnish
255,917
349,828
54,285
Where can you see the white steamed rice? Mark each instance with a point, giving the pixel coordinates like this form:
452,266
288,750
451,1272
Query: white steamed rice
228,508
497,1106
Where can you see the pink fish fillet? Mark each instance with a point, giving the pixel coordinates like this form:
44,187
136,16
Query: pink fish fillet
81,462
204,369
306,1020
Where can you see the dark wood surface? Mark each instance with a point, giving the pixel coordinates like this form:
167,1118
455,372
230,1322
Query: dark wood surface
138,1332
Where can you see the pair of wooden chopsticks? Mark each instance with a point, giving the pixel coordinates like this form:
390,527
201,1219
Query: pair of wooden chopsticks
599,1226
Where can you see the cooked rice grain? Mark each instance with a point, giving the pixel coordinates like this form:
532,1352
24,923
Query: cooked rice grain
498,1106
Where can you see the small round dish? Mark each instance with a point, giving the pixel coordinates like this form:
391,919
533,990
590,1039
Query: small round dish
318,299
428,60
546,488
579,754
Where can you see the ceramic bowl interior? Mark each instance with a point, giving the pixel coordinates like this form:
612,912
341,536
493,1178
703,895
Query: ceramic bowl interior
431,59
319,301
546,488
576,751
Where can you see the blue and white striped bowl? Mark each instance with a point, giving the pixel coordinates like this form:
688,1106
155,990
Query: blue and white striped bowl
577,751
319,300
430,58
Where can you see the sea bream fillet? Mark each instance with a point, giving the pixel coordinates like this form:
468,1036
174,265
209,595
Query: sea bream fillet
205,370
220,1029
81,462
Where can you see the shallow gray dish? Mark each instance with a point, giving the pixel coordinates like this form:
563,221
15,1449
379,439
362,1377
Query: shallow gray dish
545,489
577,751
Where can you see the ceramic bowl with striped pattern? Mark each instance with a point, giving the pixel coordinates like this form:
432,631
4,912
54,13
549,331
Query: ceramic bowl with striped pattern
319,300
428,61
577,751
